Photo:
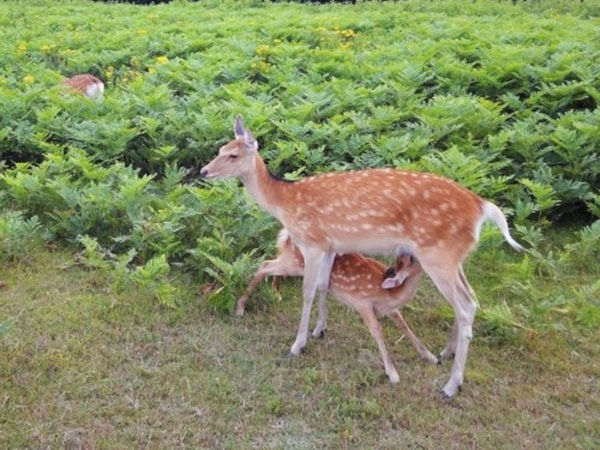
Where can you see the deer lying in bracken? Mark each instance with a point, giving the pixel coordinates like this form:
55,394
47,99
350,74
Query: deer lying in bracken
375,211
361,283
86,84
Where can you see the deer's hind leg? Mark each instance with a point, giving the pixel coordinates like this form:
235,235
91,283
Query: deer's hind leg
450,280
266,268
417,344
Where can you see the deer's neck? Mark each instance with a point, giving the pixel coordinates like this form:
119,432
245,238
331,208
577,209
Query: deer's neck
269,192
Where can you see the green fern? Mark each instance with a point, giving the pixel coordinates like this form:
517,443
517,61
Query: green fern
230,276
19,235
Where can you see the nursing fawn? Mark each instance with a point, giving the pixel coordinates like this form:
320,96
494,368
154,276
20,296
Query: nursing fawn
363,284
374,211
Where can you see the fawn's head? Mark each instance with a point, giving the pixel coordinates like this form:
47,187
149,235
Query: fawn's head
406,266
235,159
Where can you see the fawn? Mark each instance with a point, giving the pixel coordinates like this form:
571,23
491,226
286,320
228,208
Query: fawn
361,283
86,84
374,211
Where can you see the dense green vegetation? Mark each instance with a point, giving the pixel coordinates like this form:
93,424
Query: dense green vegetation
501,97
503,100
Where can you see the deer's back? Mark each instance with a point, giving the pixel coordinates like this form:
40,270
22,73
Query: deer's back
361,210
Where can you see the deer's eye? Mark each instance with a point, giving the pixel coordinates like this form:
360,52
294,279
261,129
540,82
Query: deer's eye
232,156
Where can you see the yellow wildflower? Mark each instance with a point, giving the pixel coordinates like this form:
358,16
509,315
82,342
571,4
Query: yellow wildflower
22,47
260,66
162,59
263,50
28,79
347,33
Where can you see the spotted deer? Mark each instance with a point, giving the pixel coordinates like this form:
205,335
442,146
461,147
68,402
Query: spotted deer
363,284
86,84
372,211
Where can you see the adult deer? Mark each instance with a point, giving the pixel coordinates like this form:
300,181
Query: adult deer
384,211
363,284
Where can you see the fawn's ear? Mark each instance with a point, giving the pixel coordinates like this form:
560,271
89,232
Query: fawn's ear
391,283
393,278
238,127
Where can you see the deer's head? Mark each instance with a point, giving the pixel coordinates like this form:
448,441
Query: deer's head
236,158
406,266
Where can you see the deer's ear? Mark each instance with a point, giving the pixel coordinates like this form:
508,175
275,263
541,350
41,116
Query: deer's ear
238,127
390,283
250,141
393,279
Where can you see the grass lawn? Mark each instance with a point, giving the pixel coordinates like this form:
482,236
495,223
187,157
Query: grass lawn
86,366
123,345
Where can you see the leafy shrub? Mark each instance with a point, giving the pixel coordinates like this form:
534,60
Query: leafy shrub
19,236
152,276
585,252
504,100
231,277
524,90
